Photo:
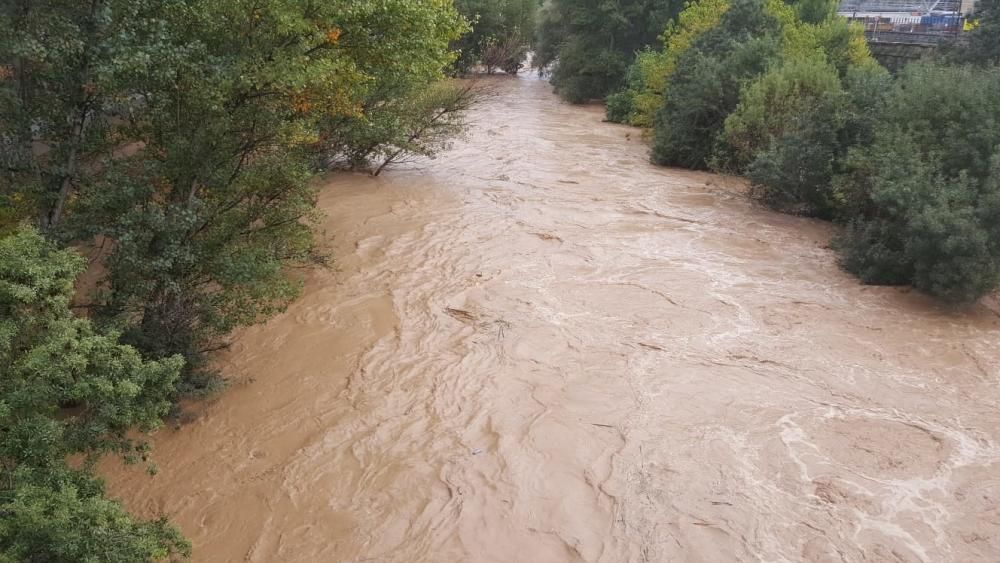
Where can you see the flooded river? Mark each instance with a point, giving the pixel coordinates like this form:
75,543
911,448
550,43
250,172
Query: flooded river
541,348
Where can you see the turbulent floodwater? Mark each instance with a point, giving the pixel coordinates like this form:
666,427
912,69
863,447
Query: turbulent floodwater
541,348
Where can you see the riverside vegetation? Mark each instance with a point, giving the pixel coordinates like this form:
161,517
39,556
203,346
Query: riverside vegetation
176,141
787,94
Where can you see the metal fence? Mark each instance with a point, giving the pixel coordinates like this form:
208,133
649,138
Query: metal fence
916,7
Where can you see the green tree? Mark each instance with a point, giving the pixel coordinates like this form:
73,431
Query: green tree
769,105
430,123
590,43
650,73
68,390
798,169
706,85
399,71
62,64
931,186
495,22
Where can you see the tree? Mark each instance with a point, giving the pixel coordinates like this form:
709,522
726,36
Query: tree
201,179
430,123
68,390
705,88
769,106
59,92
507,23
931,183
800,166
590,43
650,73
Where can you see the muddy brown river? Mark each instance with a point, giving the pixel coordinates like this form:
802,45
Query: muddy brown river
541,348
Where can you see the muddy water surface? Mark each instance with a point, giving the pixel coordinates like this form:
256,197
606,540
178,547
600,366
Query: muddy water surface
541,348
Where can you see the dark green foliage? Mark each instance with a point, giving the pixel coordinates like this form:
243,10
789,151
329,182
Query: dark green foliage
932,181
583,74
796,172
793,173
705,88
61,64
184,138
67,520
510,23
67,389
590,43
620,106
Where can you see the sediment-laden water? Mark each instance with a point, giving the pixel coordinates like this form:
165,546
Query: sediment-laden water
541,348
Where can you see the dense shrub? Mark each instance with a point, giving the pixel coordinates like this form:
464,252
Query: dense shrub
589,44
775,103
932,183
793,173
620,106
705,88
650,73
499,29
796,171
583,74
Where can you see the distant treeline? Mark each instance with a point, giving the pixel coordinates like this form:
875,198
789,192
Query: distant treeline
787,94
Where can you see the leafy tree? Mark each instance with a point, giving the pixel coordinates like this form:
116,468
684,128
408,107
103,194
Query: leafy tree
397,76
68,390
770,105
799,167
590,43
510,23
931,181
794,124
650,73
620,107
62,62
203,124
429,124
705,88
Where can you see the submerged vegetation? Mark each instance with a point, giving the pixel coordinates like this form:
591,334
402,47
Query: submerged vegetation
181,138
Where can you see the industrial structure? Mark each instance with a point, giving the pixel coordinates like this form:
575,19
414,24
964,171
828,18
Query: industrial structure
911,21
